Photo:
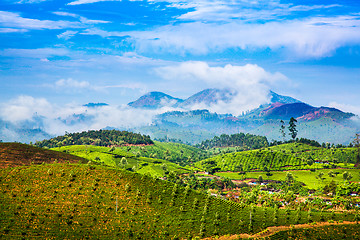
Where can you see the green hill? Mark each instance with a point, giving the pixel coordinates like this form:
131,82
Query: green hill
117,157
281,157
72,201
97,138
174,152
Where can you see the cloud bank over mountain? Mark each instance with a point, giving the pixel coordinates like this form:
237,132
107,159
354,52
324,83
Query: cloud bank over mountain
248,85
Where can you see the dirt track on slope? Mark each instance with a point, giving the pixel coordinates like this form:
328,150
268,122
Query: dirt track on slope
272,230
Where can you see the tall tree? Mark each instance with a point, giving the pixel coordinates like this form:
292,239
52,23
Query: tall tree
292,128
357,144
282,130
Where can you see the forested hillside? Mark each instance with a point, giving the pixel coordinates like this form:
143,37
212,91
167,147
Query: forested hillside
97,138
246,141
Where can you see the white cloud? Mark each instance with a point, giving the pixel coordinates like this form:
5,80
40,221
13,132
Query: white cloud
55,119
11,30
310,38
40,53
9,21
31,1
66,14
74,86
24,108
67,34
346,107
221,10
250,83
82,19
70,83
14,20
78,2
242,10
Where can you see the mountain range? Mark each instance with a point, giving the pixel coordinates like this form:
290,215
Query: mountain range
323,124
207,97
193,119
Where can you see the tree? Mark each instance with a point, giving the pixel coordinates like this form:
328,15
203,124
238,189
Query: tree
292,128
331,174
123,162
289,177
260,179
320,176
282,130
357,144
347,176
310,161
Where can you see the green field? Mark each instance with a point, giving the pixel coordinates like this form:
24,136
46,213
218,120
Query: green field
307,177
174,152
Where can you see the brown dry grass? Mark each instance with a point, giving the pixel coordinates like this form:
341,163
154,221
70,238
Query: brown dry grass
17,154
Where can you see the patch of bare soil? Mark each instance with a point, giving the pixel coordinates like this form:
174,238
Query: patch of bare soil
272,230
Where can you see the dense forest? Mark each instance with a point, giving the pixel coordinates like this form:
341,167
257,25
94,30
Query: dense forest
247,141
97,138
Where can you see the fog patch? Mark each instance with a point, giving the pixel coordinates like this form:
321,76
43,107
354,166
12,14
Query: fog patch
26,112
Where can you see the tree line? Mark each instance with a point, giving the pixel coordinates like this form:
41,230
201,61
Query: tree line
97,138
249,141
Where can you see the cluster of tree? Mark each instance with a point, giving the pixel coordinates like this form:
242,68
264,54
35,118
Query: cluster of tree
301,140
97,138
172,140
249,141
292,129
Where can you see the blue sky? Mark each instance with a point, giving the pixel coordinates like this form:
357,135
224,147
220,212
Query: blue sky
68,53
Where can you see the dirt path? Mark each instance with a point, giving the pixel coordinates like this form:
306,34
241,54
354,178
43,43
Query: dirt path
272,230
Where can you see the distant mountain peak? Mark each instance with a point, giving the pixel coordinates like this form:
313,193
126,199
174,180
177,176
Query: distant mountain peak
276,98
208,97
153,100
202,99
93,105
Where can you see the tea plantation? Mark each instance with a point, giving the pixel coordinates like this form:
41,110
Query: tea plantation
284,157
72,201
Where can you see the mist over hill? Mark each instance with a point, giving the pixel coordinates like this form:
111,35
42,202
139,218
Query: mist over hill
189,120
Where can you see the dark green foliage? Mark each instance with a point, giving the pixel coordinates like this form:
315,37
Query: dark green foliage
98,138
292,128
309,142
247,141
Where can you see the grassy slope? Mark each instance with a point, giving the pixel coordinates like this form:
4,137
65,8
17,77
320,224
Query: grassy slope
282,157
72,201
176,152
17,154
113,158
305,176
